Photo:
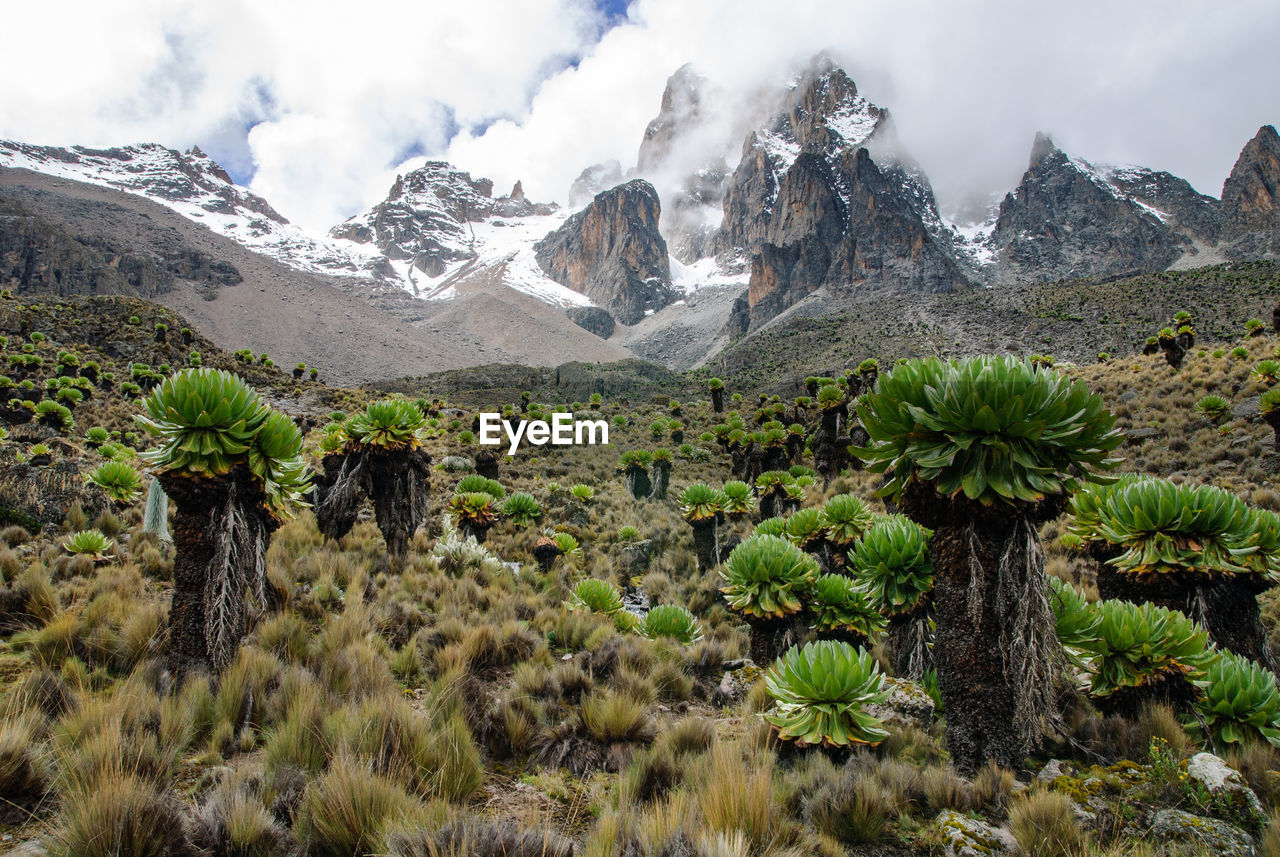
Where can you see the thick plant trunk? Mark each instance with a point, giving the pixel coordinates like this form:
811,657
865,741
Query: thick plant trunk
545,552
399,483
770,638
487,465
909,639
717,401
821,549
706,541
997,657
1174,353
638,483
220,531
339,490
1173,691
830,453
752,463
661,477
468,529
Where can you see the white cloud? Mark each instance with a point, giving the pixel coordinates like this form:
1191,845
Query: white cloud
339,92
1175,85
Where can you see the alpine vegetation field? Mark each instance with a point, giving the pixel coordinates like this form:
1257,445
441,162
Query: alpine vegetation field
998,604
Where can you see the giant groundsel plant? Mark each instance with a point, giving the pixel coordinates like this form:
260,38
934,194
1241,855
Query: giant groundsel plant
235,469
981,451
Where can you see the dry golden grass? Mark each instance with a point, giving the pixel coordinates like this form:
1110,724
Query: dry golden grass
371,698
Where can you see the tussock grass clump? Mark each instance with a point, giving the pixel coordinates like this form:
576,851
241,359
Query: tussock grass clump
125,814
478,837
1044,823
42,691
1269,838
649,777
428,755
852,810
943,789
232,818
347,811
610,716
736,794
25,771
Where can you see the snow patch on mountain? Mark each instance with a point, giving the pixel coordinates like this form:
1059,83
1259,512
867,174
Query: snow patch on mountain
703,273
974,241
196,187
854,121
1106,175
503,249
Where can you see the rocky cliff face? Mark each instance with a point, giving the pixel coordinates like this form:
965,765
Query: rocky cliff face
823,199
613,252
1251,197
40,256
424,219
1069,218
37,256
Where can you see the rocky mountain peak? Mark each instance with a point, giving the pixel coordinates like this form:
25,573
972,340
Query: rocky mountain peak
1251,195
613,253
825,112
1071,218
1042,148
424,218
198,188
190,179
825,197
821,113
681,111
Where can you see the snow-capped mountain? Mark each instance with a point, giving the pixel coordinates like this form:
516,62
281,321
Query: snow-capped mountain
726,221
1072,218
196,187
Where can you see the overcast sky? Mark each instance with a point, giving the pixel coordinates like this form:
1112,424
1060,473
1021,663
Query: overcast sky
315,105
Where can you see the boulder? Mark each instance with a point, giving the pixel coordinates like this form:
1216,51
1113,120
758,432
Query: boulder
1134,437
908,704
968,837
737,682
634,558
593,320
1208,835
34,497
1226,784
1246,409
